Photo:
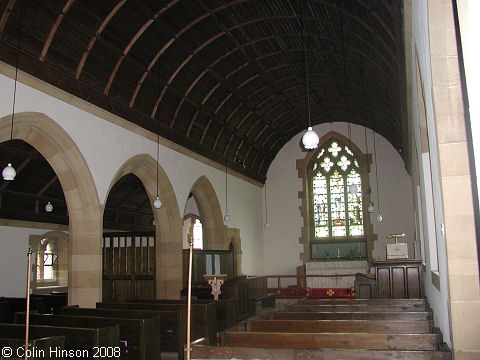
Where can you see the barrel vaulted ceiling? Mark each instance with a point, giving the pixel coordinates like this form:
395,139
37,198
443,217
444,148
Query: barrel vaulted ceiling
223,78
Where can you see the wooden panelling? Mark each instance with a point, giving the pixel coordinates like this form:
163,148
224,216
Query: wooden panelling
128,266
399,279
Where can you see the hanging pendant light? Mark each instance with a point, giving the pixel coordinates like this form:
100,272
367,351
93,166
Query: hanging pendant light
157,204
267,224
9,172
310,139
226,218
353,188
379,216
370,208
49,207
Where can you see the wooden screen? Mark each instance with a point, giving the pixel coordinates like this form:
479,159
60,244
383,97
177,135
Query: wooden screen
128,266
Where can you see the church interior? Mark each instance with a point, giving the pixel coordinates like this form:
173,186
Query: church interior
305,169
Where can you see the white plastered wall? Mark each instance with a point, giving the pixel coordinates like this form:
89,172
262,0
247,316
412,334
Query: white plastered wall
107,146
13,259
437,297
282,248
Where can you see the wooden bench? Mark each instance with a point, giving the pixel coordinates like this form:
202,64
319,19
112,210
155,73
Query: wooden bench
353,308
4,311
52,303
19,304
204,316
267,301
419,342
221,352
410,315
172,335
40,346
139,334
77,339
345,326
226,309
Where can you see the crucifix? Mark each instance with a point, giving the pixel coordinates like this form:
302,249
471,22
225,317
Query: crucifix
335,278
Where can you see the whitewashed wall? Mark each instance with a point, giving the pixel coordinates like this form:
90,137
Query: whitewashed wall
13,259
438,299
107,146
282,248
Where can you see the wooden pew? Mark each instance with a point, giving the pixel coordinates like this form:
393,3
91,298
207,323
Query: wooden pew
419,342
4,311
52,302
77,339
139,333
353,308
204,316
40,346
226,309
172,335
345,326
221,352
410,315
20,304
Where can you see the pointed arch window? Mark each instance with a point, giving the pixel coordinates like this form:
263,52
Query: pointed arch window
337,212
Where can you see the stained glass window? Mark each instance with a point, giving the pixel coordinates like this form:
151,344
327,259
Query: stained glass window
337,212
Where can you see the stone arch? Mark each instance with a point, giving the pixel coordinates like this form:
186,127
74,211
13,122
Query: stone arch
168,247
211,214
85,226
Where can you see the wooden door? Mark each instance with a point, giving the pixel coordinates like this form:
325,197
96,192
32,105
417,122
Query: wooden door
128,266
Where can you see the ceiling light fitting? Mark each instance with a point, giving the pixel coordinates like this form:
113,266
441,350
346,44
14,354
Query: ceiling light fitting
310,139
267,224
226,218
157,204
49,207
379,216
9,172
353,188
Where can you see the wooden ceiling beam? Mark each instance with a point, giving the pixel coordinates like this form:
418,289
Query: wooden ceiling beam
47,185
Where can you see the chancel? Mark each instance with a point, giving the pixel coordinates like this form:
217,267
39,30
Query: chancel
128,128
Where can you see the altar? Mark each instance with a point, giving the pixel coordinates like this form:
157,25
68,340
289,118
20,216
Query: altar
334,267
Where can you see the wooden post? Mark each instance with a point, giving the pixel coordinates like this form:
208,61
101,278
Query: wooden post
27,319
189,298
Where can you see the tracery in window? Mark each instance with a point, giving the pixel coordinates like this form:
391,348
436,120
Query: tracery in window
337,203
46,261
335,182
